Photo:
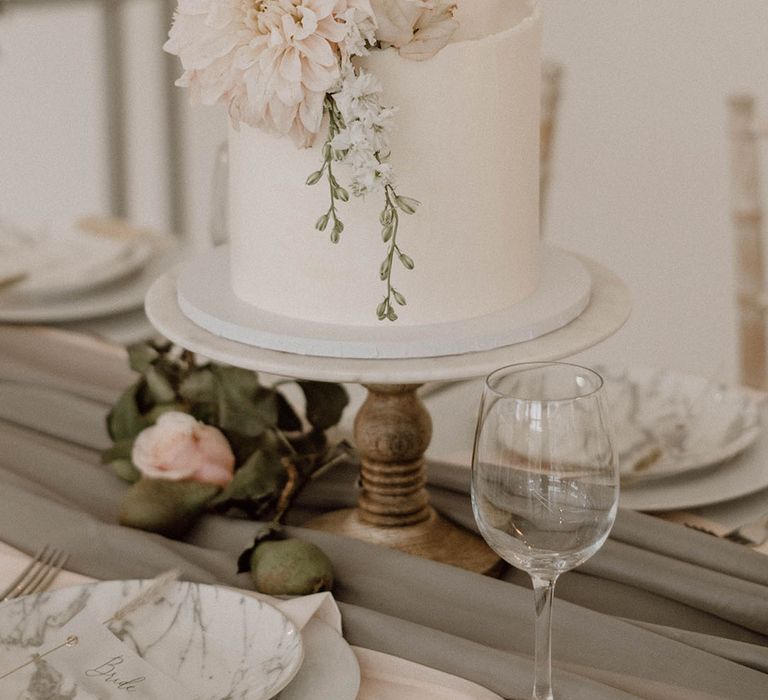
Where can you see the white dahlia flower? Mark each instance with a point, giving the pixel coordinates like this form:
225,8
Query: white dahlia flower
270,61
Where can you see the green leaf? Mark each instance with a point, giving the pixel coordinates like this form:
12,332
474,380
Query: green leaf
126,470
120,450
199,386
160,389
161,408
245,406
260,479
325,403
141,356
125,421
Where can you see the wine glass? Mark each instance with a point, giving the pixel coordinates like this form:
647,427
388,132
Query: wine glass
545,479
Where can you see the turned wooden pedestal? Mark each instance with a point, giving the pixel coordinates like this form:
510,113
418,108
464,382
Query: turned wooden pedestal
392,432
393,427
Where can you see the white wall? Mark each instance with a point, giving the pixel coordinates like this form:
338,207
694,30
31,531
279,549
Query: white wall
640,170
641,162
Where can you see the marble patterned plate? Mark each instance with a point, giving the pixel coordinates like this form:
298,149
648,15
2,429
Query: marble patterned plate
668,424
220,643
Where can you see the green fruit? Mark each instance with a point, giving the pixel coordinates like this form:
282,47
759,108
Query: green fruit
169,508
290,567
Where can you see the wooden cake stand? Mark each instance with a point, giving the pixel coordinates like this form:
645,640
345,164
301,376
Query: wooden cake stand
393,427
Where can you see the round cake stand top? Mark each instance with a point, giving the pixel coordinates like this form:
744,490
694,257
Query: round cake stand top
607,311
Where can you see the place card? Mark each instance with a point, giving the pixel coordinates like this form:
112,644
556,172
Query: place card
97,666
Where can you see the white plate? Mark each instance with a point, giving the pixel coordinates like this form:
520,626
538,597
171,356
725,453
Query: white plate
667,424
454,411
330,670
215,641
68,260
107,300
745,474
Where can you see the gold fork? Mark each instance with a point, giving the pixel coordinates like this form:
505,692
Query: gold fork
38,575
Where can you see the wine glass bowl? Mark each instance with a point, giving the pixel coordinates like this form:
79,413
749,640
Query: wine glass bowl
545,480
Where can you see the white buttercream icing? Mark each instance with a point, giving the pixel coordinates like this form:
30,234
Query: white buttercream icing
466,144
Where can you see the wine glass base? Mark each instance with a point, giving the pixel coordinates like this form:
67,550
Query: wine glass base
435,538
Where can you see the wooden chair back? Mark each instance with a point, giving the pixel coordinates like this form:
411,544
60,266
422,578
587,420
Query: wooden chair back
746,131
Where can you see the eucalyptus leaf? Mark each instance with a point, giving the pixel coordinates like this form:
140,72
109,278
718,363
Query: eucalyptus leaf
262,477
161,408
199,386
141,356
160,389
245,406
325,403
124,421
248,417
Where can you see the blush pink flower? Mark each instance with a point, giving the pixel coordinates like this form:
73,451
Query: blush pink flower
271,62
418,28
178,447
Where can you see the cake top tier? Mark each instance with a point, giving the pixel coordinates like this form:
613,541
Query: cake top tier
377,87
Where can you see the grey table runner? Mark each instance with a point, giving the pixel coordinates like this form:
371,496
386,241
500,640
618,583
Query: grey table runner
660,612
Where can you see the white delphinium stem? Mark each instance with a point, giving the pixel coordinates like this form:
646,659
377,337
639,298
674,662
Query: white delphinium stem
364,139
359,129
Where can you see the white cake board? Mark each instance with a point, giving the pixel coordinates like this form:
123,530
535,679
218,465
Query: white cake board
205,296
607,311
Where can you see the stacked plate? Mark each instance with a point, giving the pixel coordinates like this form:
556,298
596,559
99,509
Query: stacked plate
69,274
683,441
213,643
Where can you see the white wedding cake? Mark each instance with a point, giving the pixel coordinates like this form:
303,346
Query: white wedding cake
465,144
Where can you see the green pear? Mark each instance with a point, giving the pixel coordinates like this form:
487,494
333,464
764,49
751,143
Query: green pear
168,508
290,567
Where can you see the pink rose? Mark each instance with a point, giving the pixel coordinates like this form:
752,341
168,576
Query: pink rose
178,447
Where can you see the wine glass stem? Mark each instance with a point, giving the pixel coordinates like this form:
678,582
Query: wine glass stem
544,593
